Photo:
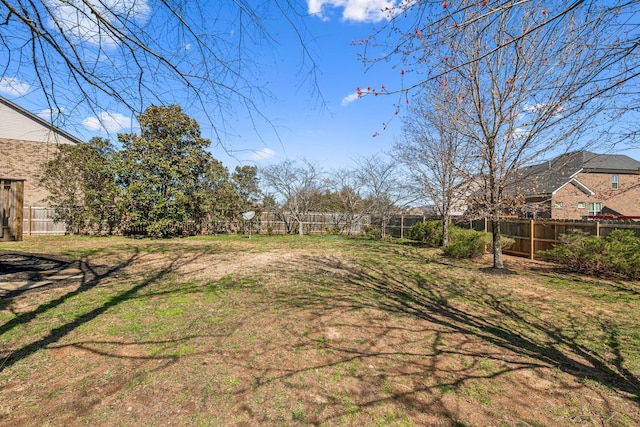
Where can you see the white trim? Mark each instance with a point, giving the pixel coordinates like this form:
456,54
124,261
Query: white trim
586,190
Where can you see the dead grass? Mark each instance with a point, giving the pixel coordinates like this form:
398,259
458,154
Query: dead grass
310,331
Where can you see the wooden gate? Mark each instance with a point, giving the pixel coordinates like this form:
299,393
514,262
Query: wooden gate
11,207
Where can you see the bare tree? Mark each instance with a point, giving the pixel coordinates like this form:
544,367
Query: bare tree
296,186
384,189
133,53
530,79
438,157
411,23
348,187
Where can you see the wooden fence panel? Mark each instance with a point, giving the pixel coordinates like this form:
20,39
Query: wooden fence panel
520,232
39,220
399,225
313,223
544,235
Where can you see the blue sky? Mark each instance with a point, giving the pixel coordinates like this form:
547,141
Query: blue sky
328,125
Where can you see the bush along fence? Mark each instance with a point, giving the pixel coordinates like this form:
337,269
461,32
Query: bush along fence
40,220
532,237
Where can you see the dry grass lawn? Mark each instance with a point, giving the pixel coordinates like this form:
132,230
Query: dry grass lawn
289,330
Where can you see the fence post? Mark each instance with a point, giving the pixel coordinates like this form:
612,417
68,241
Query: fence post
30,220
597,228
532,236
402,226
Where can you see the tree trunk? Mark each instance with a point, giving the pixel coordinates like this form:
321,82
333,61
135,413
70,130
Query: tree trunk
445,230
497,246
300,229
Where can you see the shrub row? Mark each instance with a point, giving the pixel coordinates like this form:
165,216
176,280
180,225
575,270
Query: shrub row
462,243
617,253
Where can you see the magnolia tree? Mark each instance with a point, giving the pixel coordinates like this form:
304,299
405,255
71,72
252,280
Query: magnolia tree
529,78
164,172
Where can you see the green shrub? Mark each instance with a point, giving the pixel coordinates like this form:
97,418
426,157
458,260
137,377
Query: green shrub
617,253
623,253
465,243
428,233
372,232
335,230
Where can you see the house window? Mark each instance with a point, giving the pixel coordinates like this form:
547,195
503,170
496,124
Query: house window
558,205
595,208
614,182
581,205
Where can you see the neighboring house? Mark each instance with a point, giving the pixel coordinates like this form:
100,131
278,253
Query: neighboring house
26,143
581,184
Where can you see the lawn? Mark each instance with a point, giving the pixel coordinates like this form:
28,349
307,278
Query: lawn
290,330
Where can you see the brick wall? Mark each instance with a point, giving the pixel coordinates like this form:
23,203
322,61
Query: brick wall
24,160
626,199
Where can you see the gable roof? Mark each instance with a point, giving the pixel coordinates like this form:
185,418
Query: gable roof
550,176
38,121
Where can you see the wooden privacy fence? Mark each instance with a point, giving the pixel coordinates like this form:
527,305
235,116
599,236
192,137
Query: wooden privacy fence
532,236
39,220
312,223
399,225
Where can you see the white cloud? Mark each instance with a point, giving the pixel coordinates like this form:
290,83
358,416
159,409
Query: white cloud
534,108
349,99
109,122
520,132
50,114
354,10
265,153
13,86
556,109
77,18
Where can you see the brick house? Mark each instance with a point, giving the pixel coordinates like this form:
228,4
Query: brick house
26,143
580,184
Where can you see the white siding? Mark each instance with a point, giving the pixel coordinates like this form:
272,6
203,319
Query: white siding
16,125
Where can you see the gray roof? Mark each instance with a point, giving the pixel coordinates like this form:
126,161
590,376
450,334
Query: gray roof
547,177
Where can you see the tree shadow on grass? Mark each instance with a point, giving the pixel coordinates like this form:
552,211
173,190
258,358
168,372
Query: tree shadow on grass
91,277
498,321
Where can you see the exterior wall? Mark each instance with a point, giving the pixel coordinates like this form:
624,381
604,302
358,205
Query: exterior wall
625,200
27,142
20,125
24,160
537,207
